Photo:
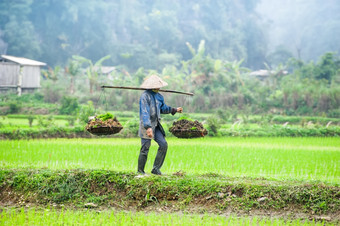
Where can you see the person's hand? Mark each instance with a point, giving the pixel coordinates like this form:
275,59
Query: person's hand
180,110
149,132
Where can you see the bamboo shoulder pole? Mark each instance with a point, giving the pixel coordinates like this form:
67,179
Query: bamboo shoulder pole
137,88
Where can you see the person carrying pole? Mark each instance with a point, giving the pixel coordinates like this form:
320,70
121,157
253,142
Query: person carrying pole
151,105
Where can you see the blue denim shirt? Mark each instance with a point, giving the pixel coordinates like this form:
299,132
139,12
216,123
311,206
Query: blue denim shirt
151,106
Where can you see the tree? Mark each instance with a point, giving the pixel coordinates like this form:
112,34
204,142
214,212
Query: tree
327,67
73,70
92,70
18,32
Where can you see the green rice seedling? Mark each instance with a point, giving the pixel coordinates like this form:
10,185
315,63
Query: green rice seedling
105,117
48,216
24,123
274,158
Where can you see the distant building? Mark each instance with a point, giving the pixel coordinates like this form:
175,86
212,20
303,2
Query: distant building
264,74
105,70
19,73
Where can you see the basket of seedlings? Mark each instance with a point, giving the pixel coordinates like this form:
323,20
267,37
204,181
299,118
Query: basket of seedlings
105,124
187,128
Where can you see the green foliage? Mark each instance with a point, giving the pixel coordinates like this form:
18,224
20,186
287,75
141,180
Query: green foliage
105,116
282,131
185,117
93,70
65,117
52,92
327,66
19,31
223,115
69,105
131,128
71,120
45,121
213,126
22,216
14,107
298,119
46,129
157,27
266,125
45,186
86,111
30,118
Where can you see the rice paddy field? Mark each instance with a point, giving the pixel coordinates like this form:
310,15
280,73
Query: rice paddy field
282,159
276,158
69,217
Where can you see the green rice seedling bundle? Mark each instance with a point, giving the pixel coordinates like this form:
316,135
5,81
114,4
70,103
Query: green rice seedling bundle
185,127
105,124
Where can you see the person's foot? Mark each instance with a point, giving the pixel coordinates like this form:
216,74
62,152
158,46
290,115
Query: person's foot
156,172
141,172
142,175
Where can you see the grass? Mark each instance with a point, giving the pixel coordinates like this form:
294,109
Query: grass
49,216
313,159
23,122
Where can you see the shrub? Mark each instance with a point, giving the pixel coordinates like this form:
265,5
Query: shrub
213,126
69,106
335,113
45,121
14,107
131,127
52,93
223,115
30,118
71,120
86,111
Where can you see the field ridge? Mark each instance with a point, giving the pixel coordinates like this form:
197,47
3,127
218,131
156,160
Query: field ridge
178,192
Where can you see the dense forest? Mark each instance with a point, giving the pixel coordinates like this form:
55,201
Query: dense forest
151,34
206,47
135,32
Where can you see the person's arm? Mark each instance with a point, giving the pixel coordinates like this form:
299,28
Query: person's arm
165,109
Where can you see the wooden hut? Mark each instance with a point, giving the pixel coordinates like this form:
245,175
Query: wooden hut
19,73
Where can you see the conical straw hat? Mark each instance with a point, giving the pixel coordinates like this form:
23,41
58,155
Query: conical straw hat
153,82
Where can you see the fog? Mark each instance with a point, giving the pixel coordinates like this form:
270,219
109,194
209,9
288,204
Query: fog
152,34
307,28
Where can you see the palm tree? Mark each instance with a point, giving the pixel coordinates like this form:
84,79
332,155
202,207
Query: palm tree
73,69
92,69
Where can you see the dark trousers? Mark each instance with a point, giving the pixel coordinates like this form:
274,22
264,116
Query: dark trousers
161,153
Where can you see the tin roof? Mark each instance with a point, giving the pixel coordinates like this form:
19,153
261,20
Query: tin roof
22,61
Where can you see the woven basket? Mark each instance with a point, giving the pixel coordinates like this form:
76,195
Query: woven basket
101,131
189,133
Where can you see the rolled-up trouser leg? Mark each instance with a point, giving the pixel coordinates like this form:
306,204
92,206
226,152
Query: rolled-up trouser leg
143,155
161,153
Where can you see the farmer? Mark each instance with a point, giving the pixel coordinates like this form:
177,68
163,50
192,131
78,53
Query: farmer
151,105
